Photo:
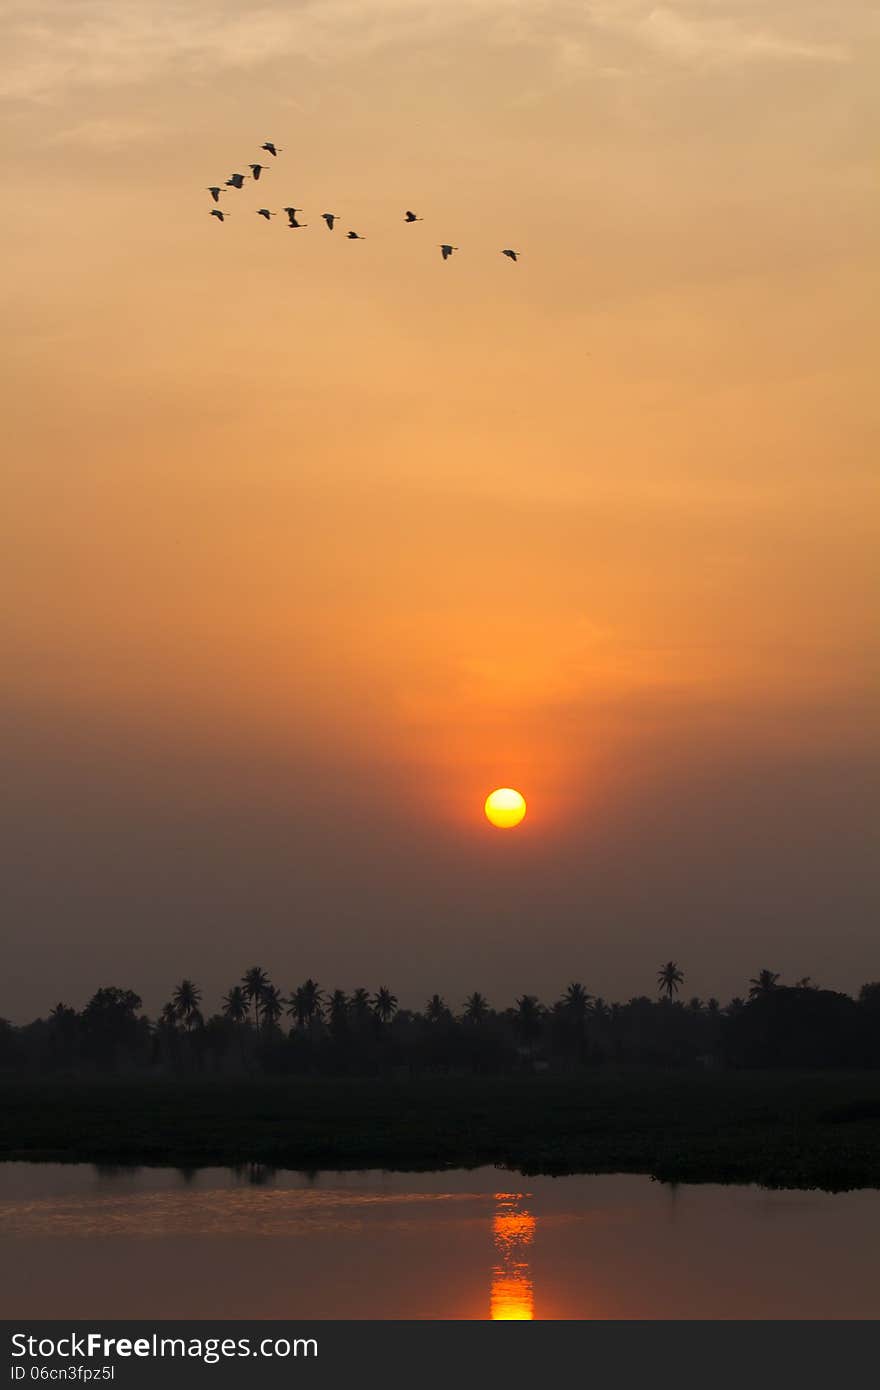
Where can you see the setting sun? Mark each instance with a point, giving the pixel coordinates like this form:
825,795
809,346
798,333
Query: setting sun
505,807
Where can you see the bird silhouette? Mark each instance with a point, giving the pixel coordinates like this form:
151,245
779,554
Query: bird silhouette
269,147
329,218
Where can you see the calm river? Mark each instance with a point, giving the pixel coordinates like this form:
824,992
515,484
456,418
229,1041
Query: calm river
82,1242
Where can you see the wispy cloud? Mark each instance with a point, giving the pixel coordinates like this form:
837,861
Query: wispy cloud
689,38
53,44
105,134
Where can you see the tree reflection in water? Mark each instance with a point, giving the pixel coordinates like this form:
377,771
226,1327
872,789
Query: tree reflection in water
513,1230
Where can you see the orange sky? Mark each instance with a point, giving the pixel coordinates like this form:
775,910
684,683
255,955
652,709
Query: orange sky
310,543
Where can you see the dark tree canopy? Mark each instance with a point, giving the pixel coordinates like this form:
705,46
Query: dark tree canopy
258,1030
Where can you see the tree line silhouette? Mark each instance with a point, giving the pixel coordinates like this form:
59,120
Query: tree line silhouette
260,1031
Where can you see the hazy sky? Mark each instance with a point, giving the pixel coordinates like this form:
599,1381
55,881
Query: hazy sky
310,544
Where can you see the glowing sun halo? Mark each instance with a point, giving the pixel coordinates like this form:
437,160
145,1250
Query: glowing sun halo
505,808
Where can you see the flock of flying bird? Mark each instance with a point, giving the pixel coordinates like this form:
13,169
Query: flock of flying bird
330,218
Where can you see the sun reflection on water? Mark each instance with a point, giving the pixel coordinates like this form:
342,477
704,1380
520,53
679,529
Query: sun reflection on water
513,1230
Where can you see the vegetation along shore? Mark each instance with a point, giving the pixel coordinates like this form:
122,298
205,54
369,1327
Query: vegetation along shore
782,1129
781,1087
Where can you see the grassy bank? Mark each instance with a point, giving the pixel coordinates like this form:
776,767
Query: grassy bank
780,1129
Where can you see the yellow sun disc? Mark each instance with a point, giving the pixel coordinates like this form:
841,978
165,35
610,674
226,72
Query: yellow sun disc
505,808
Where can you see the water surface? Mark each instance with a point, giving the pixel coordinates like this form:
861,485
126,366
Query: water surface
81,1242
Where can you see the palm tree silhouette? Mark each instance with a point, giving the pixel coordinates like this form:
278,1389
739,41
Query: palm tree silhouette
167,1032
575,1008
169,1016
763,983
185,1000
576,1027
235,1005
476,1009
361,1008
527,1018
669,977
313,997
235,1008
576,1001
384,1004
255,982
436,1010
306,1004
337,1009
271,1006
